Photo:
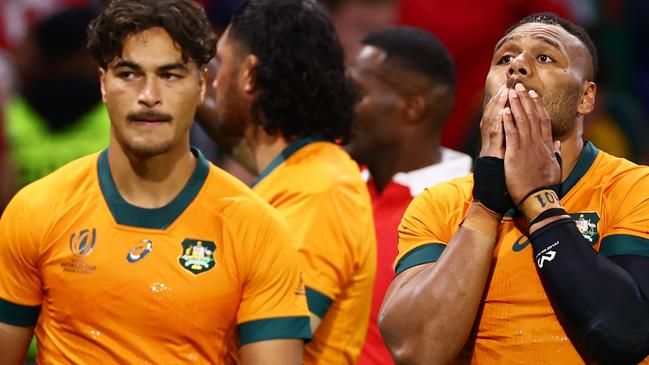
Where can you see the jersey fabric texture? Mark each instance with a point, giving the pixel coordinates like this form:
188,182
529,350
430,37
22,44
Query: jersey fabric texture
318,188
606,197
108,282
388,207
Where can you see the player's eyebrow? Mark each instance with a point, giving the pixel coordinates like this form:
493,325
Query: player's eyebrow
511,38
547,40
179,66
127,64
517,37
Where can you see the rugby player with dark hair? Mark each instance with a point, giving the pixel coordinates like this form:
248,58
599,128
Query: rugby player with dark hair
541,256
281,86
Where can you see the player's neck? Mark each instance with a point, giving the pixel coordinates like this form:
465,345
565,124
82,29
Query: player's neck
571,147
265,147
416,153
150,182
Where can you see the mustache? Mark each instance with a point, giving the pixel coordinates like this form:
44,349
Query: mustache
149,115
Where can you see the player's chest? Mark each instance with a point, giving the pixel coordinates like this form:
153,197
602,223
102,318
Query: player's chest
514,268
129,270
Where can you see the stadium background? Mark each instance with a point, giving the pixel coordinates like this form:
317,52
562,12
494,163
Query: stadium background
469,28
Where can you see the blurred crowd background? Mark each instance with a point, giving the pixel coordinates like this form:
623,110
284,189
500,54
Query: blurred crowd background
51,110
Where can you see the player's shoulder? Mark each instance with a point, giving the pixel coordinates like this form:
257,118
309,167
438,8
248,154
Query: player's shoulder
225,194
66,184
324,169
458,190
620,174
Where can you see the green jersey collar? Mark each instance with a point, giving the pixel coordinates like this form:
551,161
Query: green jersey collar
586,159
156,218
285,154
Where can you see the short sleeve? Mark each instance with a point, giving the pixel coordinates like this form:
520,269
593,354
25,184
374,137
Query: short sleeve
328,224
627,223
273,304
430,221
20,283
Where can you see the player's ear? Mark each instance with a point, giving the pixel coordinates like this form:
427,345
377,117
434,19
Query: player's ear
415,107
248,76
202,81
587,100
102,81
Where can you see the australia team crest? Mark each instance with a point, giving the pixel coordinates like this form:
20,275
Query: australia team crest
587,225
197,256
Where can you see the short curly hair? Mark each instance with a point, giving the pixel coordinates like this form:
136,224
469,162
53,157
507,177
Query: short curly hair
184,20
304,90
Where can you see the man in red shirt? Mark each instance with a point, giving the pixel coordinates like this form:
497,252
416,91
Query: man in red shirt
407,81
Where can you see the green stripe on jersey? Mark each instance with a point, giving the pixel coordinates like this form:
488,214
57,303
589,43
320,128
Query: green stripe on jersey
318,302
424,254
18,315
624,244
585,161
274,328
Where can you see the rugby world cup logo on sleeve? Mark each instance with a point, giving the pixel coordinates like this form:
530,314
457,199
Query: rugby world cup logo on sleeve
83,242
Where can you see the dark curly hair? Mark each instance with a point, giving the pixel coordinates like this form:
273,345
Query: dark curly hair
304,91
570,27
184,20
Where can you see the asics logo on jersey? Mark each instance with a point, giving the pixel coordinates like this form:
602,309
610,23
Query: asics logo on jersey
520,243
83,242
140,251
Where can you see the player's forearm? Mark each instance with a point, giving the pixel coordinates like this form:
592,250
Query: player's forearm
599,298
273,352
428,318
14,342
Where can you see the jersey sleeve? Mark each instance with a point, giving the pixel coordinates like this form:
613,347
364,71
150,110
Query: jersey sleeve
20,283
273,303
328,225
627,225
429,223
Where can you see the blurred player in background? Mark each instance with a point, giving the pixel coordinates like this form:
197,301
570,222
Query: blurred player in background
281,85
146,253
407,82
58,115
535,258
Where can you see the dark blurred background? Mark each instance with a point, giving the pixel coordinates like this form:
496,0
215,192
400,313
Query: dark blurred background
51,112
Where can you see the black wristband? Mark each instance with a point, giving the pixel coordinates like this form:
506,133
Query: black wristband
552,212
489,186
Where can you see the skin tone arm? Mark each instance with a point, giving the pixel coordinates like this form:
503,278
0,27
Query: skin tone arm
274,352
446,294
14,342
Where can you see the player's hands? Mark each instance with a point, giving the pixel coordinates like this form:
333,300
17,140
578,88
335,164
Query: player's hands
488,171
530,161
491,125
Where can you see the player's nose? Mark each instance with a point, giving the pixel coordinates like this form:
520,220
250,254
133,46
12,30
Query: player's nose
519,67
